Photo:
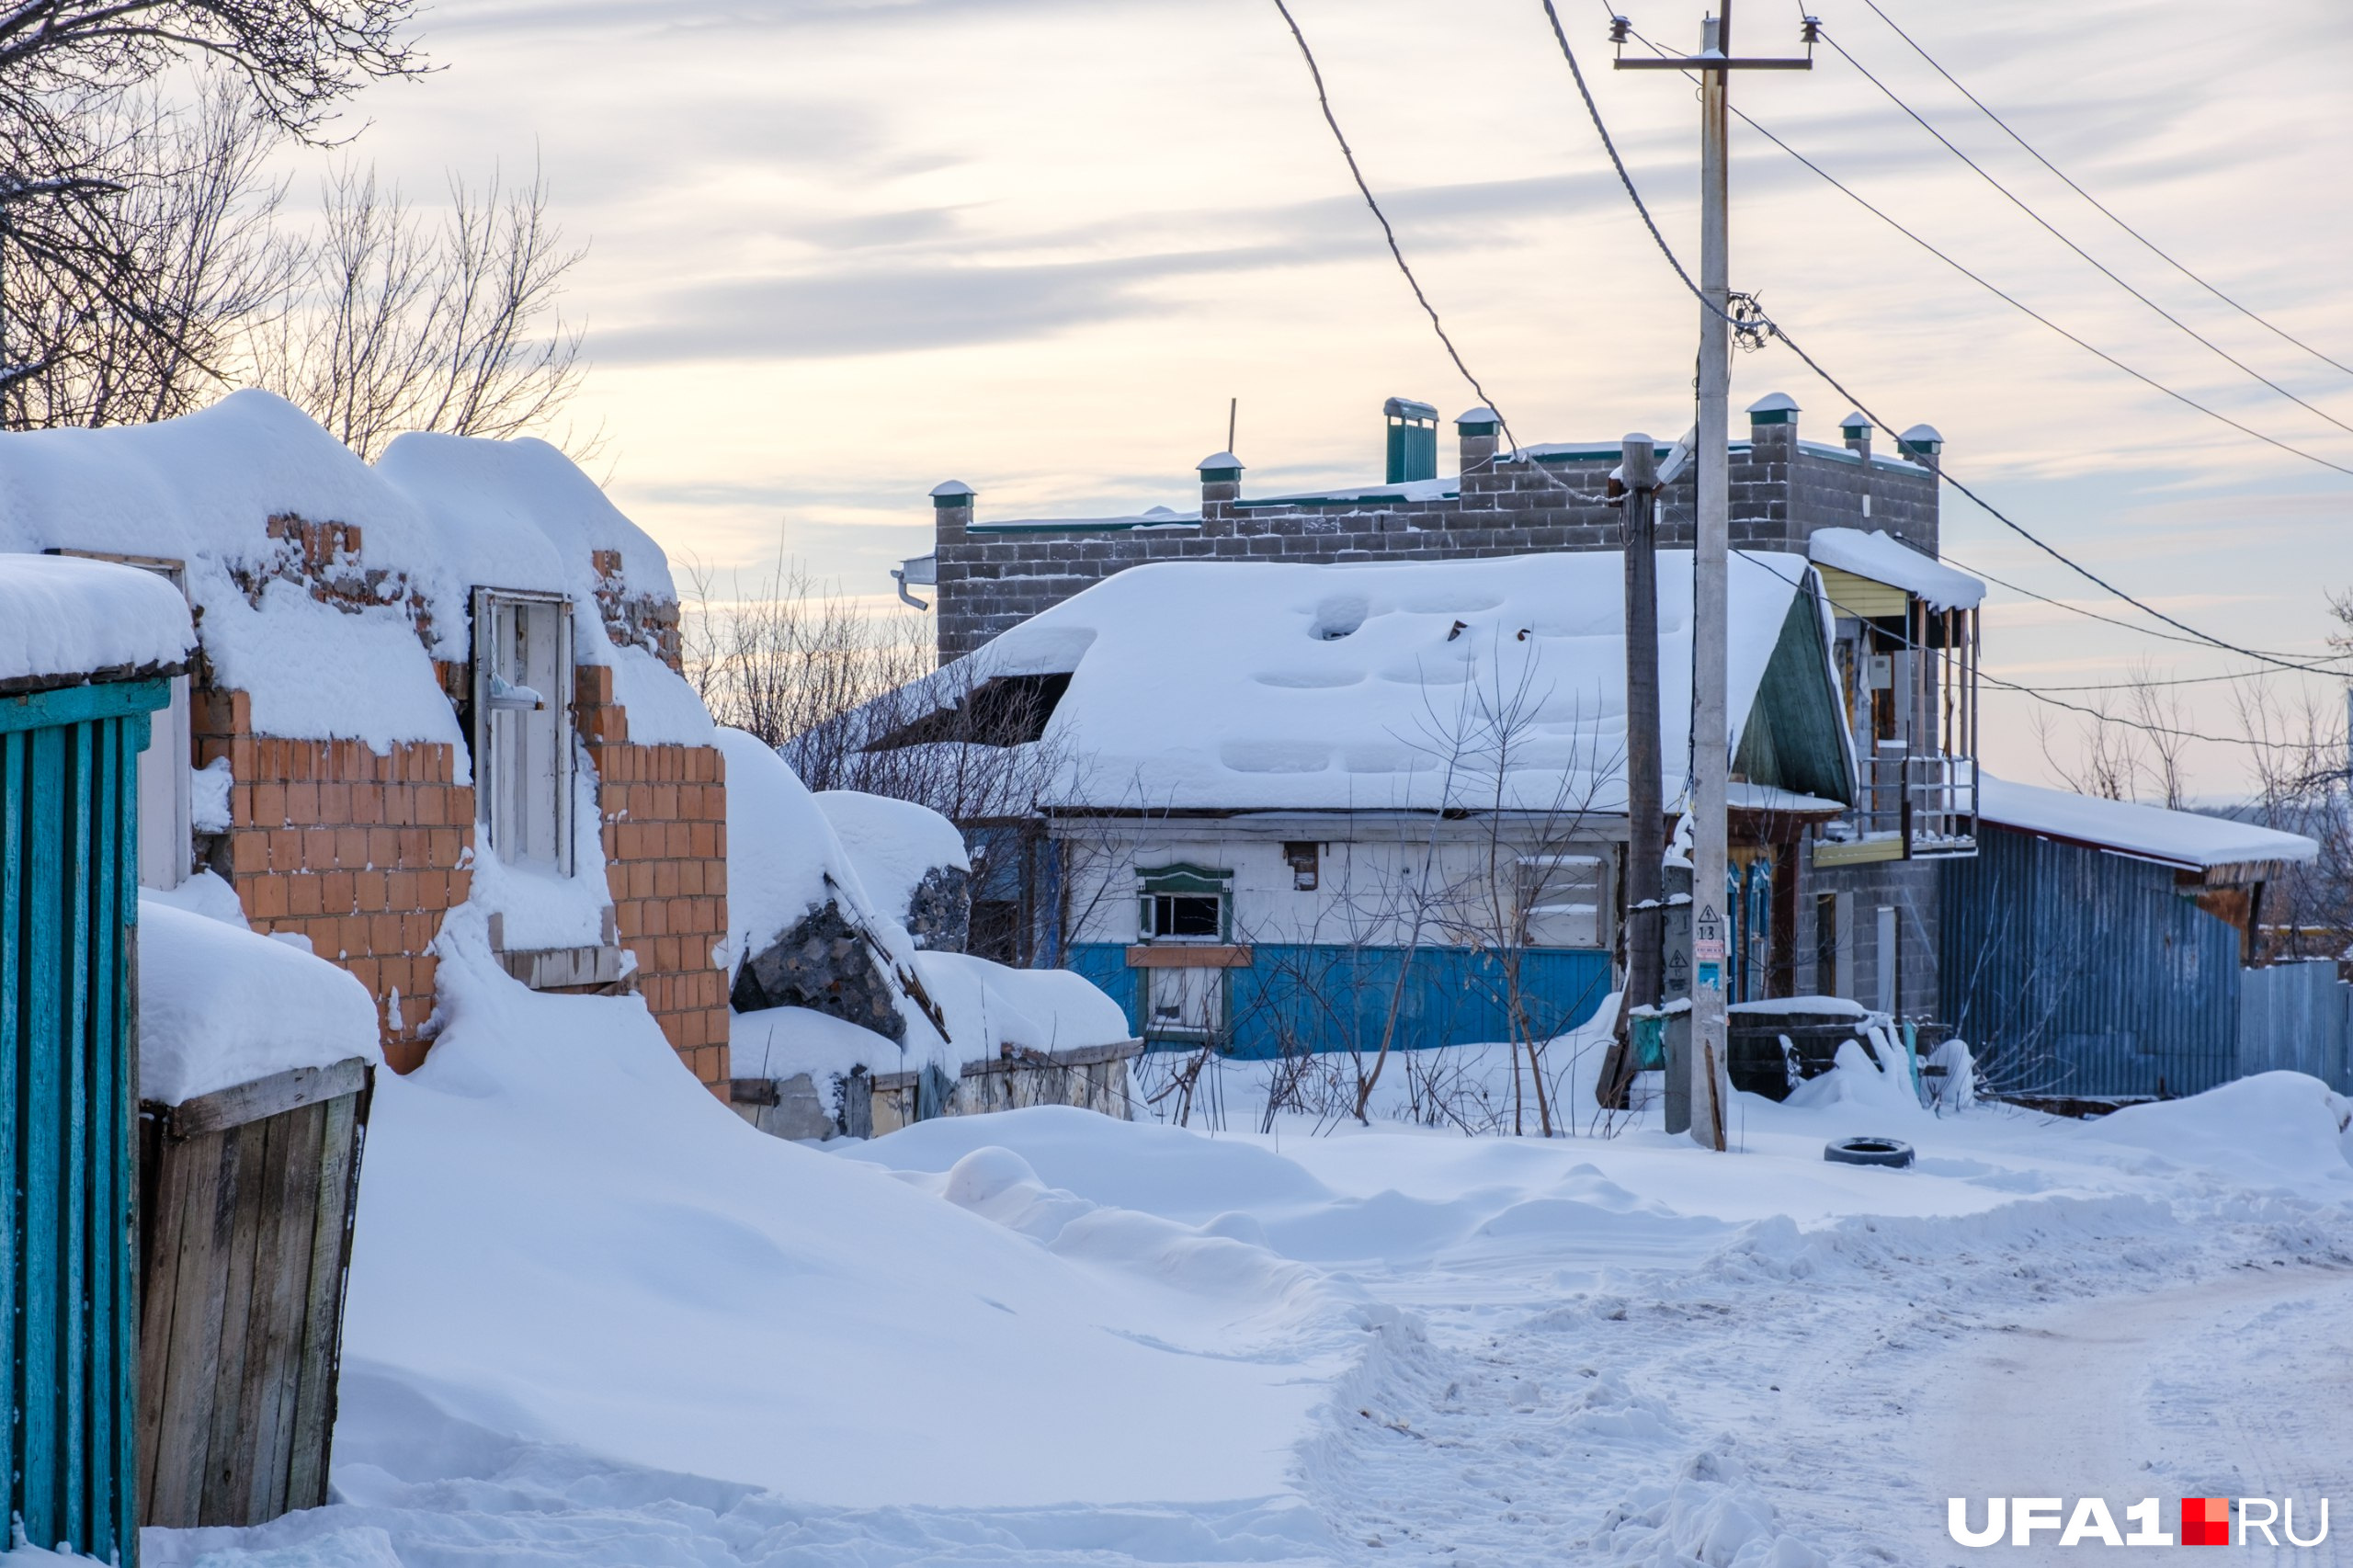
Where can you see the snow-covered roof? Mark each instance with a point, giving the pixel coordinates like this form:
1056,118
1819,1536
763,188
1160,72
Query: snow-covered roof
1404,489
1234,685
1150,517
62,619
438,517
1883,559
219,1005
2180,838
891,845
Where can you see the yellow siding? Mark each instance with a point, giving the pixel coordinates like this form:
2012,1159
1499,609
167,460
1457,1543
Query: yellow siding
1850,595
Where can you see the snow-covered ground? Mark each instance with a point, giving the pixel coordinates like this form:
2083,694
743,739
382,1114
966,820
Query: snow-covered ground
599,1319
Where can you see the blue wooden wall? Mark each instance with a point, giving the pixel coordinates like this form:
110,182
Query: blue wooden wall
69,898
1297,997
2073,972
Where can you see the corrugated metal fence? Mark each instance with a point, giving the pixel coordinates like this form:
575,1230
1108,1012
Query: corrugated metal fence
2074,971
2297,1017
69,1333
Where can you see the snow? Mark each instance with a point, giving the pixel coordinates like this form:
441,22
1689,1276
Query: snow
208,796
438,517
991,1008
596,1318
318,673
1347,687
783,860
787,853
892,842
207,893
1882,559
2179,838
778,1042
220,1006
63,617
551,1194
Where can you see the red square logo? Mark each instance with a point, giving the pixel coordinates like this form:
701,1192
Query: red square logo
2205,1521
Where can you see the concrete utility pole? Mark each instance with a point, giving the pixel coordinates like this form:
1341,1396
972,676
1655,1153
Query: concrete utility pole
1711,729
1645,791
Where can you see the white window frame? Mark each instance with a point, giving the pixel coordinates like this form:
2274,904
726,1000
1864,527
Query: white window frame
512,737
166,787
1563,899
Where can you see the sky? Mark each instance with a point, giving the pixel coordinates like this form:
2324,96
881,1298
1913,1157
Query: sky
842,250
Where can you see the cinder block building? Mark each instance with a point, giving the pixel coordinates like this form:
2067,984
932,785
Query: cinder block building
1847,908
446,682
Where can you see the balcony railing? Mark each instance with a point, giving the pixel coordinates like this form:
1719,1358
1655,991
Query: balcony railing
1906,807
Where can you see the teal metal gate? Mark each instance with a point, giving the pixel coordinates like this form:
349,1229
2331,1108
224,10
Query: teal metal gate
69,898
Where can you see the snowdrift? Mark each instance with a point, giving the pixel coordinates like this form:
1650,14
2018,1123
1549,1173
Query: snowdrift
562,1238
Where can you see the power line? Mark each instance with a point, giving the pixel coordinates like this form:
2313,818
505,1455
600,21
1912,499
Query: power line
2003,295
1324,101
2100,206
2322,666
1774,329
2051,229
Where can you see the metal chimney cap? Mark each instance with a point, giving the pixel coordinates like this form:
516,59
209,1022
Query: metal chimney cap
1922,436
954,487
1773,408
1854,422
1220,462
1408,408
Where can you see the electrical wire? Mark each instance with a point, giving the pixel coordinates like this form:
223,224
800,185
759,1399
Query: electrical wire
2003,295
1774,329
2321,663
1324,101
2054,231
2097,205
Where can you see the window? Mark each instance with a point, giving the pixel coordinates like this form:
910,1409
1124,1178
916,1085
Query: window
1185,916
1305,862
1183,903
166,815
522,727
1560,897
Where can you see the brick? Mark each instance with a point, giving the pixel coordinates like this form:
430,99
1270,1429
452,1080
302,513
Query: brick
368,891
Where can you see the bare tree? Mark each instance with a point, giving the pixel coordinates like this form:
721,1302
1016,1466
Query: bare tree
402,321
128,279
298,59
2133,750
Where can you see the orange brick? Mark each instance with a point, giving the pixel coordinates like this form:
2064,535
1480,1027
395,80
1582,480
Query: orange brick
445,844
334,803
368,891
384,935
400,890
416,931
337,894
384,845
351,846
460,886
248,853
266,898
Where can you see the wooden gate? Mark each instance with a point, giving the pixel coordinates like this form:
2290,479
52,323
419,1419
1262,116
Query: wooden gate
249,1196
69,898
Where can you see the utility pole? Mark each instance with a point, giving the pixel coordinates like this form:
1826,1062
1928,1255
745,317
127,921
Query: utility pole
1645,789
1711,729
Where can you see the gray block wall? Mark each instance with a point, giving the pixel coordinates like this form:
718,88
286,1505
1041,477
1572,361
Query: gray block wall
991,579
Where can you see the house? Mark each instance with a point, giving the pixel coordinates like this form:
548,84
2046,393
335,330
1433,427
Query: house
1849,910
2098,948
1307,807
444,682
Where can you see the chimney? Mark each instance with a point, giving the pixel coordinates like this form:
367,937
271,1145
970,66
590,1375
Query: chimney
1220,487
1412,440
1477,430
1922,444
951,509
1856,430
1773,427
